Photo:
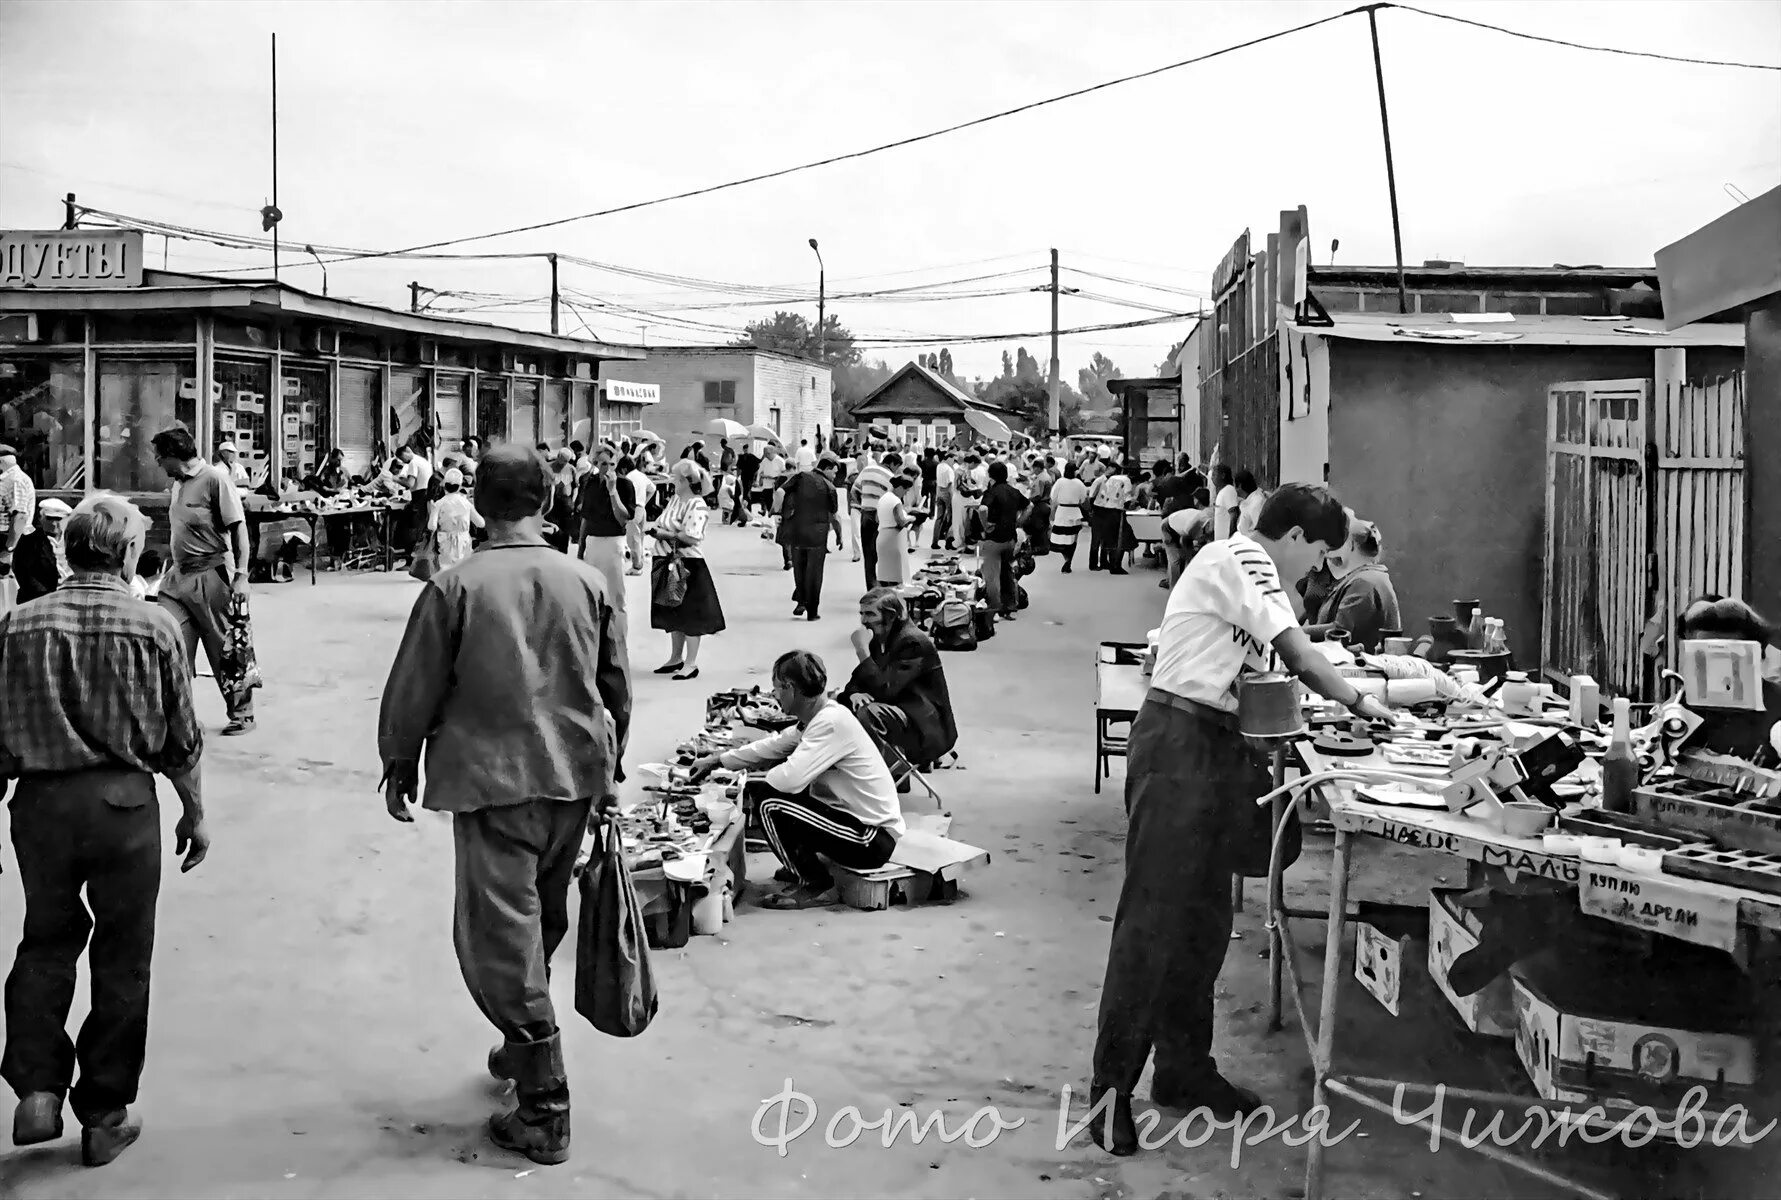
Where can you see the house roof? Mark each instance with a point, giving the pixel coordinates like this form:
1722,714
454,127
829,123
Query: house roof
932,379
1441,329
1724,265
163,291
715,351
1167,383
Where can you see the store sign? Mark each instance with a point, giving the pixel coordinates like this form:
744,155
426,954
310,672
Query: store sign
71,258
632,393
1662,905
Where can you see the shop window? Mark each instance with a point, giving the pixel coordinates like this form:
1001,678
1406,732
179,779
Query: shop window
43,417
581,399
240,333
618,421
412,401
357,345
450,393
138,398
491,410
524,427
28,329
361,405
241,411
144,327
306,396
412,351
552,413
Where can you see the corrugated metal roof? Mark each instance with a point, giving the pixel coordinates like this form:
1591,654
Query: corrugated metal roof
1440,329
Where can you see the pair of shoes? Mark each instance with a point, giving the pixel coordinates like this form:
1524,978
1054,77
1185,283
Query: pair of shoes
798,611
1216,1094
38,1118
1114,1131
238,726
692,674
108,1137
667,668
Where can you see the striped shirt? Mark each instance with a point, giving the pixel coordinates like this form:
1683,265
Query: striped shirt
90,677
871,483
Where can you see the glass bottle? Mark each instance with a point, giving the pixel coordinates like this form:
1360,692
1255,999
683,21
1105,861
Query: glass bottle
1620,770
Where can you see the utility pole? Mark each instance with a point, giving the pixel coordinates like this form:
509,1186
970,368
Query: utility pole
68,211
414,297
276,215
1055,423
556,297
1391,176
822,294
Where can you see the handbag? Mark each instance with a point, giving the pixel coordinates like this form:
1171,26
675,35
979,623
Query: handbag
614,986
1023,562
668,586
239,670
426,560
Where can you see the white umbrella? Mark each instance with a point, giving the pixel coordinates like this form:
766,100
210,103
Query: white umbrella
644,435
582,432
988,424
763,433
723,427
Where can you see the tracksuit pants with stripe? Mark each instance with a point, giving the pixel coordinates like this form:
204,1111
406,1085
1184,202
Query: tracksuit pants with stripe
801,830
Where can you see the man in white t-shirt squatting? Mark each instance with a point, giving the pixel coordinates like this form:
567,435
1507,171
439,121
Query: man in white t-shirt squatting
1191,783
828,792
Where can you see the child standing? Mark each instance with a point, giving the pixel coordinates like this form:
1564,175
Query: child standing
451,521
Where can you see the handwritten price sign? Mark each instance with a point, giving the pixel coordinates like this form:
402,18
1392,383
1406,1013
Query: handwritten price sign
1661,905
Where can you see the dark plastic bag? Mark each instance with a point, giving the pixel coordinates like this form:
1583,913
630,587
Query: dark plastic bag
614,986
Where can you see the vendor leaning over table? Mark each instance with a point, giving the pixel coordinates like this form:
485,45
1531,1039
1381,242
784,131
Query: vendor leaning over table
1191,781
1362,601
827,791
1736,731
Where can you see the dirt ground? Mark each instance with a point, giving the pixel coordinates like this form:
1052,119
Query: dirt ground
311,1037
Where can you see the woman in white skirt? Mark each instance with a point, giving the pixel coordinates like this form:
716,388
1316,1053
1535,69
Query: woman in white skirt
1068,496
893,526
451,521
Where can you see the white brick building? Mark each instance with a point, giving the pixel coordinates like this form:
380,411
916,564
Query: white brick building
793,396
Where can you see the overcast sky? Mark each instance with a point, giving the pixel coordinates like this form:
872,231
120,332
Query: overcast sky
403,123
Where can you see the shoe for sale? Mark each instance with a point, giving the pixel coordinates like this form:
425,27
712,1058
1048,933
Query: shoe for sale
108,1137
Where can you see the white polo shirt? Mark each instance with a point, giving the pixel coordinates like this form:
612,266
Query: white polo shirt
1221,622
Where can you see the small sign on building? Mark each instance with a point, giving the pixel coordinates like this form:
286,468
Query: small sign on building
71,258
632,393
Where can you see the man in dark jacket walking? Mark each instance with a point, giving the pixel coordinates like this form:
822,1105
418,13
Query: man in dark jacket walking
899,690
809,513
512,675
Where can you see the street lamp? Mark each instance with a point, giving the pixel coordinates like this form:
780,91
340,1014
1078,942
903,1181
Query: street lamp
322,265
822,345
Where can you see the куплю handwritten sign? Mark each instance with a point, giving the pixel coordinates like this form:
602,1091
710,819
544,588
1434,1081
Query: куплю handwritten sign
1661,905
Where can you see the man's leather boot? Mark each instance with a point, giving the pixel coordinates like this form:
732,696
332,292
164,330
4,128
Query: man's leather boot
539,1127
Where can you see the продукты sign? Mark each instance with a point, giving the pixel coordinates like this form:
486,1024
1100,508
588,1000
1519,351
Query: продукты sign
71,258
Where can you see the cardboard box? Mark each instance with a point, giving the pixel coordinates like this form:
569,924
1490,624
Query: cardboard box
1452,932
1574,1052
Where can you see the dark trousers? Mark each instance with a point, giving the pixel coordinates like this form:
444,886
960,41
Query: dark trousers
869,547
199,604
69,833
800,829
807,568
512,909
1106,528
942,522
1189,779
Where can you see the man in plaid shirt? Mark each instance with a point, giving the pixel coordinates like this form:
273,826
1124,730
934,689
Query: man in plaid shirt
18,500
95,701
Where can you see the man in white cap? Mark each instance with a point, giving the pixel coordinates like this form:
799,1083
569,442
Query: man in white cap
18,500
40,564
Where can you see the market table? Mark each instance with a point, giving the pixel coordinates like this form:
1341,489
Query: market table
314,516
1722,914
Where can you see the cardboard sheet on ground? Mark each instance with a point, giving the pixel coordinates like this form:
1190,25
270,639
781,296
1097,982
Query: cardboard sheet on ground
922,851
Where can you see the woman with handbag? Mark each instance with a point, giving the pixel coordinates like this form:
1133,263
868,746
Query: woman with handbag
682,595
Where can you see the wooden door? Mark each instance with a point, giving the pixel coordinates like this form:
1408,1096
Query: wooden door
1597,517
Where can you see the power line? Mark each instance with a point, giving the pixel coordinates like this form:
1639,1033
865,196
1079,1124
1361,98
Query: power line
971,339
1552,41
1158,287
879,149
